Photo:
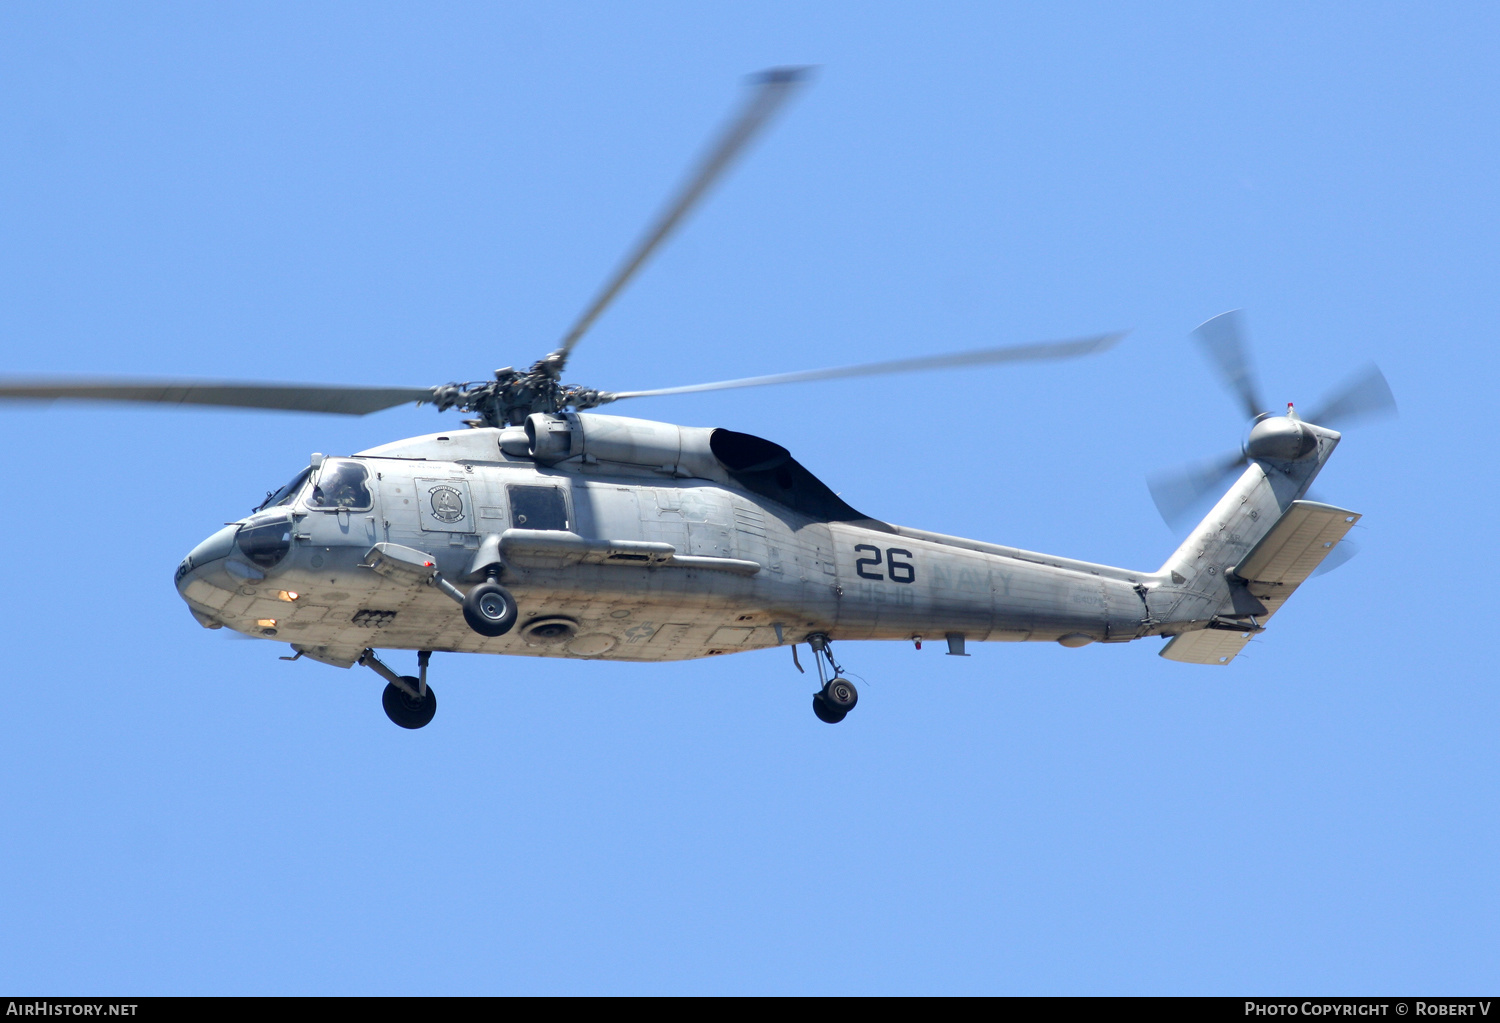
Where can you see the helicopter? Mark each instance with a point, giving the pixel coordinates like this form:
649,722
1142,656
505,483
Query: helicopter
542,528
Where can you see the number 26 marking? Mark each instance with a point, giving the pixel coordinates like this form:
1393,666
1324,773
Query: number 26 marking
899,571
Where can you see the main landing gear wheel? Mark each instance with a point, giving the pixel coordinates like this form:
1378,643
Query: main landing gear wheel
405,709
489,609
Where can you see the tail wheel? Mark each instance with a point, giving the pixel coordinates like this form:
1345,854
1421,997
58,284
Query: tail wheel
840,695
825,713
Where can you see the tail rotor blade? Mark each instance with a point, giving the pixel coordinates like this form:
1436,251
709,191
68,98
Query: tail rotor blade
1176,492
1223,339
1340,555
1364,396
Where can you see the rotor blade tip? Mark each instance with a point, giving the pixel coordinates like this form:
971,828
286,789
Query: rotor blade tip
778,75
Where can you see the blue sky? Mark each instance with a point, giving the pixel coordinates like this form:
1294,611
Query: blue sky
411,194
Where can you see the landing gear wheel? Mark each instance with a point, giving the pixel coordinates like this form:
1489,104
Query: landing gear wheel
840,695
403,709
826,713
489,609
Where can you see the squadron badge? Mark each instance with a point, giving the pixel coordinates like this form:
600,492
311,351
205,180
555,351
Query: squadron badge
447,505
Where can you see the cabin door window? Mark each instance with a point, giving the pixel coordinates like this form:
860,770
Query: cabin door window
538,508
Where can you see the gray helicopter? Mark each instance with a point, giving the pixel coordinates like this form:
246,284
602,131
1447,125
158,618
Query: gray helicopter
560,532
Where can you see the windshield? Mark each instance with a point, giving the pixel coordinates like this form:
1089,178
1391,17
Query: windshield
287,494
341,486
266,542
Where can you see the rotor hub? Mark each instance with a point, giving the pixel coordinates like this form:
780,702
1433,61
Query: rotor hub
1280,439
513,396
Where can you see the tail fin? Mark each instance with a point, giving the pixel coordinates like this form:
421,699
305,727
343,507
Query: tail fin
1244,559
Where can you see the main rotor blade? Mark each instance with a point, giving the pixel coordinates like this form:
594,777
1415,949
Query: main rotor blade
1223,338
981,357
773,87
1176,492
1366,394
346,401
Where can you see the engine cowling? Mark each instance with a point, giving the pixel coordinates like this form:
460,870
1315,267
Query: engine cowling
664,447
595,442
550,439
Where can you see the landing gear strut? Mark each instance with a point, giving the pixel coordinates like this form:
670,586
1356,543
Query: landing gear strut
408,700
489,607
837,696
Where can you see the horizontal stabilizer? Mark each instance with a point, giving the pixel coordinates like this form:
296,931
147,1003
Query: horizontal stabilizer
1306,533
1295,546
1206,646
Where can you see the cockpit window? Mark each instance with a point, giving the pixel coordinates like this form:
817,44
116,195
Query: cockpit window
288,493
341,486
266,541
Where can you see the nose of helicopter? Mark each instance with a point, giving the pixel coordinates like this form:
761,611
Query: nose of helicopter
230,560
215,548
204,559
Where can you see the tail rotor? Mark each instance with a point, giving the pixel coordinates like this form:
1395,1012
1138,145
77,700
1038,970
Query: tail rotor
1366,395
